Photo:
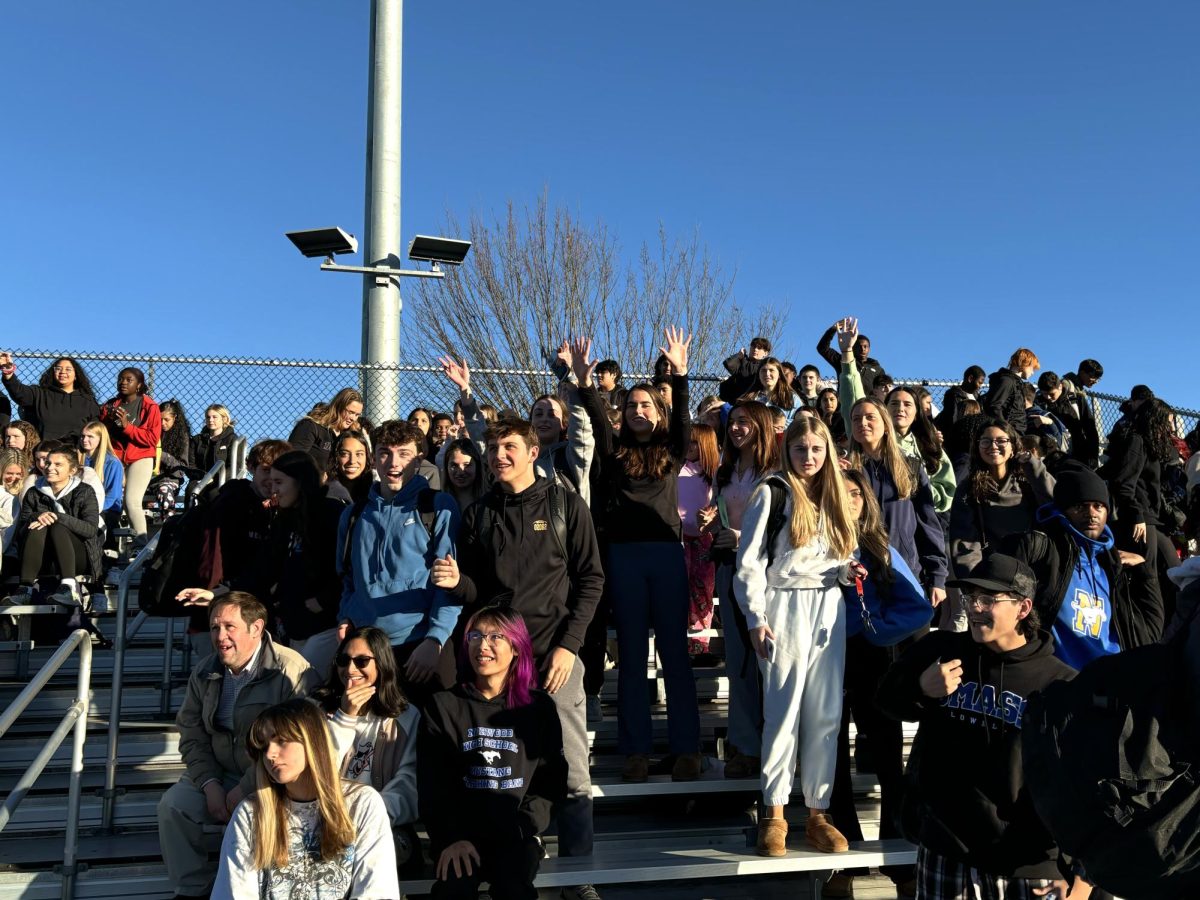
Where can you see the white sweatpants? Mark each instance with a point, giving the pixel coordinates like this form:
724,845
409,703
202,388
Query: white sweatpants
802,696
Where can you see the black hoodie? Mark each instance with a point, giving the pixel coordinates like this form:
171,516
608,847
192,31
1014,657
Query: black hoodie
57,415
485,773
964,772
508,545
1005,399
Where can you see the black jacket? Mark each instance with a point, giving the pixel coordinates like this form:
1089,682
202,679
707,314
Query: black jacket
1074,407
1134,479
866,370
80,515
315,439
743,377
508,545
1051,551
1005,399
205,448
485,773
952,408
57,415
964,772
631,510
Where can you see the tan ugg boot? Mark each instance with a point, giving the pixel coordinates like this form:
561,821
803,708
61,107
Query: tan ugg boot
772,837
821,835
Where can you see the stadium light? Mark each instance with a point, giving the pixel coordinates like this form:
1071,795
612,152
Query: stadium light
328,242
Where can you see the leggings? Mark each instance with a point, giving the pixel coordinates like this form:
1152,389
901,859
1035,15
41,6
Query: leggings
66,548
137,479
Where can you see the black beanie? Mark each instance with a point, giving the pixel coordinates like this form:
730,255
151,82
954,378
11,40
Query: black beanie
299,465
1079,485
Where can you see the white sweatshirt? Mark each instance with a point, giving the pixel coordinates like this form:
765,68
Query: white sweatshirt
357,736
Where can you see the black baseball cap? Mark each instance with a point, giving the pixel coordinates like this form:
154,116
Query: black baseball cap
999,574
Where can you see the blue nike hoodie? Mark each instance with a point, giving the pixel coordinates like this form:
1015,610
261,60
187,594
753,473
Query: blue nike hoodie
391,556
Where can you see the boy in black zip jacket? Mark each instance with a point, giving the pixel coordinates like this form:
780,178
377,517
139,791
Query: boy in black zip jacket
532,541
974,820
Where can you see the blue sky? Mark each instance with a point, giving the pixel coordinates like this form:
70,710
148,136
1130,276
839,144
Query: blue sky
965,177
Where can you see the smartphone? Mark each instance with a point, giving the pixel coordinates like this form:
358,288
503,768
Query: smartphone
770,644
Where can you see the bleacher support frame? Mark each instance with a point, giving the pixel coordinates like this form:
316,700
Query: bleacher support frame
74,720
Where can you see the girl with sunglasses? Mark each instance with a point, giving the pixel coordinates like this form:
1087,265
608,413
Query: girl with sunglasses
490,765
303,831
374,727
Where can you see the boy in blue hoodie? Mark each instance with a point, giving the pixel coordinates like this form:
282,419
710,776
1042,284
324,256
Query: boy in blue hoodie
1095,600
387,546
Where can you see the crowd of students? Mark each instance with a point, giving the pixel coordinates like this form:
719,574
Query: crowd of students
410,621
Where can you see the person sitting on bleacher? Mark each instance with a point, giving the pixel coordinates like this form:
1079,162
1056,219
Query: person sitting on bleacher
21,436
490,767
98,457
246,673
14,466
214,440
58,531
374,728
303,831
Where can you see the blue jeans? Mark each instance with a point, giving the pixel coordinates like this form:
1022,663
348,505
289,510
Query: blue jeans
745,693
650,589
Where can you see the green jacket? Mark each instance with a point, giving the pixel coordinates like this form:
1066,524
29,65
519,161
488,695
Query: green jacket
942,482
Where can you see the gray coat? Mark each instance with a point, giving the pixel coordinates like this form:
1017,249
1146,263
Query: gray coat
974,526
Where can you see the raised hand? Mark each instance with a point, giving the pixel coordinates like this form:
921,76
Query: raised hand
456,372
582,363
847,334
565,356
676,350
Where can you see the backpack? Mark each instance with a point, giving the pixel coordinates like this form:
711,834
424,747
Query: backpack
558,520
775,521
1111,760
175,565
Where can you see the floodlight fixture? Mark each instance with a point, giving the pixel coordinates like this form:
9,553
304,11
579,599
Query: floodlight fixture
323,241
437,250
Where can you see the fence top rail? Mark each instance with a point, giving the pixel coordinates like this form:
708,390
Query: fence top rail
154,358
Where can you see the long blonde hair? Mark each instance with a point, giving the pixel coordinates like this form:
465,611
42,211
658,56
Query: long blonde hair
103,446
300,721
890,453
820,503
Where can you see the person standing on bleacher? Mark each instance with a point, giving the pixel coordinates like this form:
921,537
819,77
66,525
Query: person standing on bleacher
246,674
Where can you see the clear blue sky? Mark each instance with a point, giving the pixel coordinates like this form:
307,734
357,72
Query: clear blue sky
967,177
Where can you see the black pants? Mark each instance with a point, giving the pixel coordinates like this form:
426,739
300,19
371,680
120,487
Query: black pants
66,550
595,642
443,676
865,666
508,868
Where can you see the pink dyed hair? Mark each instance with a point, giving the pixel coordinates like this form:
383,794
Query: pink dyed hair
522,673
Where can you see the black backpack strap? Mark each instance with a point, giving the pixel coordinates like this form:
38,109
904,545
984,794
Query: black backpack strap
427,509
356,512
774,516
558,519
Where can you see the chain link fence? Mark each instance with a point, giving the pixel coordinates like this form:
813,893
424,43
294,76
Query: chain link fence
267,396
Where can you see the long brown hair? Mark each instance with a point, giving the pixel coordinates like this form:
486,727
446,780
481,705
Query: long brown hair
984,486
781,395
645,459
766,447
330,416
705,437
303,722
822,498
872,533
891,455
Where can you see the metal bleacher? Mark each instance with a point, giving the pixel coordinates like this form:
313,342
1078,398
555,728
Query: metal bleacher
694,836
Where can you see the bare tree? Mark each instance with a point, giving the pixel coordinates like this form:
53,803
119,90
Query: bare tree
539,275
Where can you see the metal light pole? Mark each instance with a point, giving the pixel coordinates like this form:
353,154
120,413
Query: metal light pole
381,241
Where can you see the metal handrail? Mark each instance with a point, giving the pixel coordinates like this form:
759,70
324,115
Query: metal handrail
118,675
218,473
75,719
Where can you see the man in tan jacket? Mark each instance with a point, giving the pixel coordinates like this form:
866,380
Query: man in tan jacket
246,674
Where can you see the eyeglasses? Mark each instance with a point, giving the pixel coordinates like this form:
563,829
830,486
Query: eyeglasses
985,601
62,370
994,442
493,638
360,662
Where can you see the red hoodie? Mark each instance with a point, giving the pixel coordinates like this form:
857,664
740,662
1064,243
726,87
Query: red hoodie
137,440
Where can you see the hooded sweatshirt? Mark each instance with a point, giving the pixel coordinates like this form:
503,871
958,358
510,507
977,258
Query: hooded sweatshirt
57,415
1083,628
508,546
391,554
486,773
1064,560
965,775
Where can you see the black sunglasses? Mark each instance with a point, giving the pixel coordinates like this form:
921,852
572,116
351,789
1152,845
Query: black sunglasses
361,662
